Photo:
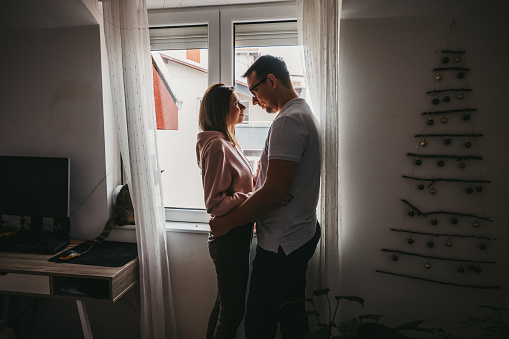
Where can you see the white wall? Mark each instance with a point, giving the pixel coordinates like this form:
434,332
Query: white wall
386,68
52,102
52,106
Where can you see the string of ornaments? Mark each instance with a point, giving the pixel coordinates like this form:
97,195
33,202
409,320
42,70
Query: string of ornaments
449,97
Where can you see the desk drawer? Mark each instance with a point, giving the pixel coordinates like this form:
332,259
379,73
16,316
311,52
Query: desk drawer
25,283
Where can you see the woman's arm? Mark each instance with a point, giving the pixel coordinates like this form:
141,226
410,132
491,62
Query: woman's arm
217,179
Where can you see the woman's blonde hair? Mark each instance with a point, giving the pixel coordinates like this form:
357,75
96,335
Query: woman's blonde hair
215,110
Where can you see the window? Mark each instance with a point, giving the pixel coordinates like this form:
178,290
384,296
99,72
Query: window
253,40
180,56
192,50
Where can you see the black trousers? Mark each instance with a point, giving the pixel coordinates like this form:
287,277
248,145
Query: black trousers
230,254
277,278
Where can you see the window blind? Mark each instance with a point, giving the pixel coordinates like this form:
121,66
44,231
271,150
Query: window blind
283,33
171,38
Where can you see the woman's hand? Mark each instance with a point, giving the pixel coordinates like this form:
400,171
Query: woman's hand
219,226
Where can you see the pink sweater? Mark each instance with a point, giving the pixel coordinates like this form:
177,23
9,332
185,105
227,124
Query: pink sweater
226,174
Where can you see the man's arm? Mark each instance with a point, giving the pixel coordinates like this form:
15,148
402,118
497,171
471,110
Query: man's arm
280,175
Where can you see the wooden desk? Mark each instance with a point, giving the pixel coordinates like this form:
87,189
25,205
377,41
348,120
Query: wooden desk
33,274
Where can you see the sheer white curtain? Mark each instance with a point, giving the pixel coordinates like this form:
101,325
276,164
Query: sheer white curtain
128,47
318,30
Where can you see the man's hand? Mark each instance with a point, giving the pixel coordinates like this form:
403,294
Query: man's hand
287,200
219,226
255,176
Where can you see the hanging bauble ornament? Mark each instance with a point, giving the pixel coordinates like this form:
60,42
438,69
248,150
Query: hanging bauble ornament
462,164
440,163
395,258
435,101
410,241
482,246
460,96
478,189
476,224
454,220
418,162
434,221
443,120
468,144
457,59
431,244
428,266
420,186
448,141
477,269
461,75
430,121
423,143
448,243
432,190
411,213
461,269
447,98
469,190
466,117
445,59
438,77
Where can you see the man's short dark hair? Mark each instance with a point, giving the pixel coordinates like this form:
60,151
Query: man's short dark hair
268,64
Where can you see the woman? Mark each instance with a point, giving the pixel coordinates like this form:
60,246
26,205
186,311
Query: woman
227,182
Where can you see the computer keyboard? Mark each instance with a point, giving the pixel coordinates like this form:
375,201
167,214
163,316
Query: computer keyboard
42,244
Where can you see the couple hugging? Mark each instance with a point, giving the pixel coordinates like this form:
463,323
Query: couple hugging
281,197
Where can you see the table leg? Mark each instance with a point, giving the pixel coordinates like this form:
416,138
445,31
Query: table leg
85,324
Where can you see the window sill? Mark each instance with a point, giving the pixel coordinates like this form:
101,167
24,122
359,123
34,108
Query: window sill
127,233
181,226
174,226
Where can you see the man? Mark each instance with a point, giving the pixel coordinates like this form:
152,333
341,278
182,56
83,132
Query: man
287,236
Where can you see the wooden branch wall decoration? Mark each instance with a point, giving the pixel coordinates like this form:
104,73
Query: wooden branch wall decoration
439,258
419,213
489,287
450,93
448,235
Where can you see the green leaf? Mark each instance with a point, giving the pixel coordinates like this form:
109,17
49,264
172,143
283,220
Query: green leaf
351,298
469,321
439,331
321,291
409,325
375,317
419,329
494,308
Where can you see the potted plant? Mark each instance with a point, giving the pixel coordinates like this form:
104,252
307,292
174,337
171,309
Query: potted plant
363,326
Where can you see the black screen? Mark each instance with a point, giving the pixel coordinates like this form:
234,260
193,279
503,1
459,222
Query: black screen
34,186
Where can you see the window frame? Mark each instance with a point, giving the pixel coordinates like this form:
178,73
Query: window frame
220,21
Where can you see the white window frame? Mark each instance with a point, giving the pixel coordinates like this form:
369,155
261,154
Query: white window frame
221,50
280,11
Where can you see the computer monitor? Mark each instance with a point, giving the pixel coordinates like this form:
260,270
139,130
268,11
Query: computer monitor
35,187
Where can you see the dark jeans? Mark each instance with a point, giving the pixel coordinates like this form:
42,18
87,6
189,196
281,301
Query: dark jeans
277,278
230,254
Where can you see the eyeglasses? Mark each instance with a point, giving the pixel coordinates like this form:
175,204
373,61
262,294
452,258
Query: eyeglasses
258,84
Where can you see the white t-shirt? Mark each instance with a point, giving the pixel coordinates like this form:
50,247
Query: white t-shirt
292,136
